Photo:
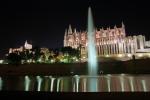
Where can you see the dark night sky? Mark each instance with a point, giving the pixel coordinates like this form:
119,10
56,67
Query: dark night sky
43,22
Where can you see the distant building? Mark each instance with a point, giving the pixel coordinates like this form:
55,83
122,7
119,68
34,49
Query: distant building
26,46
109,42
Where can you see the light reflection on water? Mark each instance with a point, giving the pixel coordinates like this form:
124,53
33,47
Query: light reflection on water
1,83
27,83
104,83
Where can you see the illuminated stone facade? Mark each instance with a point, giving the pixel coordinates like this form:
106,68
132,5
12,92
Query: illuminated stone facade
108,41
26,46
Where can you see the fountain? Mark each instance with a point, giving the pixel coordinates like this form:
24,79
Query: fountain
39,81
27,83
80,83
92,59
52,83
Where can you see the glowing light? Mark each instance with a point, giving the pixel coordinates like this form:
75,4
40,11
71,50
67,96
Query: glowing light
27,83
84,57
144,86
77,60
1,83
74,86
71,72
28,61
108,83
1,61
52,84
131,83
58,82
129,55
122,83
84,85
77,82
107,56
120,55
140,55
109,75
53,60
39,79
74,58
122,74
148,54
40,60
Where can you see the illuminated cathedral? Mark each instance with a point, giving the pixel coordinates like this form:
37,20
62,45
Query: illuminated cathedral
109,42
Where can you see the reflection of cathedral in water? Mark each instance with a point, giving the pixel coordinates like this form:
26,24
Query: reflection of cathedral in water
108,41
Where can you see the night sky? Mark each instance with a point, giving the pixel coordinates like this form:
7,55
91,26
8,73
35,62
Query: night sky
43,22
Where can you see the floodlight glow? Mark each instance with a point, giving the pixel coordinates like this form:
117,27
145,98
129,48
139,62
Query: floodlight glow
107,56
144,85
77,60
148,54
1,83
52,60
131,84
122,83
39,80
84,57
40,60
129,55
120,55
27,83
108,83
1,61
76,82
58,82
140,55
52,84
84,85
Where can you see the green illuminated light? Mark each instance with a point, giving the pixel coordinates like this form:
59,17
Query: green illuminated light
27,83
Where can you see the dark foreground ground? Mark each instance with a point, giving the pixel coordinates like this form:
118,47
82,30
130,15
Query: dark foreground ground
74,96
112,67
117,67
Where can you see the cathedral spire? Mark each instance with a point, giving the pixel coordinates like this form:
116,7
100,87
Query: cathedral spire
122,24
123,28
70,29
75,31
66,32
115,26
26,42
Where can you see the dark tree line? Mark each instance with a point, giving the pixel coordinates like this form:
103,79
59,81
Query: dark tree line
35,54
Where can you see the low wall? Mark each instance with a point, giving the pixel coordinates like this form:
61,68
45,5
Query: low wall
141,66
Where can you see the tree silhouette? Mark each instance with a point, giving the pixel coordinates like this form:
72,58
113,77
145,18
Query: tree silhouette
37,53
14,58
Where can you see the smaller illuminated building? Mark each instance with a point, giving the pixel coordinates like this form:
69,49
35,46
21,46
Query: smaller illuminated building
26,46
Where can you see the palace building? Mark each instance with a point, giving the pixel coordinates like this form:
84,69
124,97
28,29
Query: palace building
109,42
26,46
